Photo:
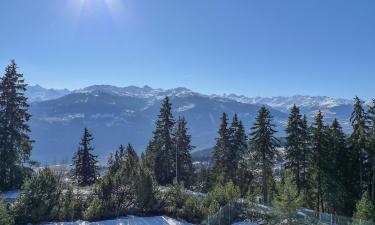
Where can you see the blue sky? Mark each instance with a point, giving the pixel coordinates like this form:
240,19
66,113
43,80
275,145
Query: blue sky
250,47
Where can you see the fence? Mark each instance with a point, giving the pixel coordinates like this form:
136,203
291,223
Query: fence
242,210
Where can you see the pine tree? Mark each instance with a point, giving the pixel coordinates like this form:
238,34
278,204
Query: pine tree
85,170
338,172
306,154
119,193
149,156
263,146
132,159
183,161
114,161
294,146
221,151
15,143
365,209
145,190
358,142
319,161
238,148
371,115
162,151
288,198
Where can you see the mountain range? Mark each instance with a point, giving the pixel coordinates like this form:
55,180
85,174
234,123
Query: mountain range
118,115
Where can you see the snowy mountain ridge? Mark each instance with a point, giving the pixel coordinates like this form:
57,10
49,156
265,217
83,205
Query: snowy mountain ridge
285,103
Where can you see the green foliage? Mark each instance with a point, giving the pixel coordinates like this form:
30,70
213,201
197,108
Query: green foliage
183,148
146,200
263,149
245,176
5,217
294,150
71,205
365,209
238,150
161,148
38,199
222,151
359,143
288,198
85,169
175,198
114,161
130,189
224,194
15,143
194,209
213,207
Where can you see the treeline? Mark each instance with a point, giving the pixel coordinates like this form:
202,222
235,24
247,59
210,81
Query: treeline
325,169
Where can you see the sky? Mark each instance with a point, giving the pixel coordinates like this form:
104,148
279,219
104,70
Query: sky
248,47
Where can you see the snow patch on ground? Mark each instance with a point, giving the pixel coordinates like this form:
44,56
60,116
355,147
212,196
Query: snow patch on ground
9,195
244,223
156,220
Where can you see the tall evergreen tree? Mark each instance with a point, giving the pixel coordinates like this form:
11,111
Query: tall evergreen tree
15,143
337,170
238,147
221,151
319,161
85,170
306,154
162,151
359,141
183,161
294,145
263,147
371,115
132,159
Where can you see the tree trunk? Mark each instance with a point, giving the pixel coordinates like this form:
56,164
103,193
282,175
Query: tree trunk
264,180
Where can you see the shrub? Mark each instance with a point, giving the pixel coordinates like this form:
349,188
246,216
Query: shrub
38,199
5,217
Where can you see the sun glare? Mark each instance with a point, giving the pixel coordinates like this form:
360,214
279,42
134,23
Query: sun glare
115,8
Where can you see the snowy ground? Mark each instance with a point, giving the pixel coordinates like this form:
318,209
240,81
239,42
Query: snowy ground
244,223
156,220
9,196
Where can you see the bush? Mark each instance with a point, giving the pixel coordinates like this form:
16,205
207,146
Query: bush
365,209
175,199
224,194
128,189
38,199
5,217
71,205
194,209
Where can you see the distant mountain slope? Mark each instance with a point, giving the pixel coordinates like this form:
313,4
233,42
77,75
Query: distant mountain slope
37,93
203,155
117,115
